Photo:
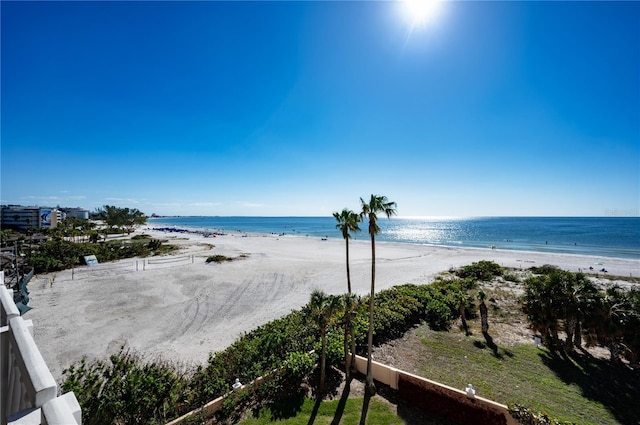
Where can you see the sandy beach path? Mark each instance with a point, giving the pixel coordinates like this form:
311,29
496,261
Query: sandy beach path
181,309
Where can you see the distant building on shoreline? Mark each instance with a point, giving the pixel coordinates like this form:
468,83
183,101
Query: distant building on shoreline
34,217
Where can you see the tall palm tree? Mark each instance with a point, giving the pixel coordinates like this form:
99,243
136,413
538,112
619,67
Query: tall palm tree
322,309
347,223
376,205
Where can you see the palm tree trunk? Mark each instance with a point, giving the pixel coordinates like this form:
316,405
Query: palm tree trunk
349,325
464,319
569,328
484,317
347,365
323,361
354,369
348,274
370,386
554,336
577,335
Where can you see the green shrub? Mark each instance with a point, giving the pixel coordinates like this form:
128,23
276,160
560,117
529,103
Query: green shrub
544,269
154,244
252,355
482,270
54,255
439,315
298,365
218,259
125,390
235,403
334,350
511,277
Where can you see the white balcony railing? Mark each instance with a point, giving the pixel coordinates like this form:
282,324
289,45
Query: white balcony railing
28,391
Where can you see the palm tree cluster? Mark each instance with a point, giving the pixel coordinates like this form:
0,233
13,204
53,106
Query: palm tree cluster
323,310
348,223
560,301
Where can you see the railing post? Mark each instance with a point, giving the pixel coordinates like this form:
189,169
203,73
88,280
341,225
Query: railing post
8,311
40,385
4,372
62,410
27,388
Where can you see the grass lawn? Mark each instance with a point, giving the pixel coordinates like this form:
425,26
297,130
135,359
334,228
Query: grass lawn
580,388
347,412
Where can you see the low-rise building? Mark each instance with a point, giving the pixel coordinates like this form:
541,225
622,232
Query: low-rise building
80,213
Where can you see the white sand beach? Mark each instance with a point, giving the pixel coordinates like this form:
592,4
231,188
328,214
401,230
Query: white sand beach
181,309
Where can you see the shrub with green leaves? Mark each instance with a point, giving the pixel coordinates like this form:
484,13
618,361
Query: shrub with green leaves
218,259
335,346
252,355
125,390
439,315
299,365
544,269
154,244
482,270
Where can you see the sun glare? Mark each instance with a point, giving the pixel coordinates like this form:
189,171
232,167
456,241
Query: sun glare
421,12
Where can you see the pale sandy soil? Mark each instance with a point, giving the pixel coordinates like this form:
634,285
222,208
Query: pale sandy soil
184,309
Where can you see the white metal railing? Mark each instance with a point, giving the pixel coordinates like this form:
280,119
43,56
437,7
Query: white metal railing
28,391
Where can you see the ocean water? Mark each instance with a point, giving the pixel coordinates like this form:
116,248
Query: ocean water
599,236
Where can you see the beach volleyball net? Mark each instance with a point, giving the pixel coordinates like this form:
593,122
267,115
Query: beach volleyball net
129,266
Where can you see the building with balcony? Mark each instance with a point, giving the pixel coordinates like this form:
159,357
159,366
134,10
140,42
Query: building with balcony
22,218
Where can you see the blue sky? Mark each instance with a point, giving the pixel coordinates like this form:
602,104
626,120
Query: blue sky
301,108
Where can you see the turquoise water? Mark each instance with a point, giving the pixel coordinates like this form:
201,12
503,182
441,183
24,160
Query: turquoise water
601,236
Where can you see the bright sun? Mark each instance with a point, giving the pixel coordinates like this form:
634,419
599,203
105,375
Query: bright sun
421,12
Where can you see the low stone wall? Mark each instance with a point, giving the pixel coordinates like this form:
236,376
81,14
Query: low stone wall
438,399
206,411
